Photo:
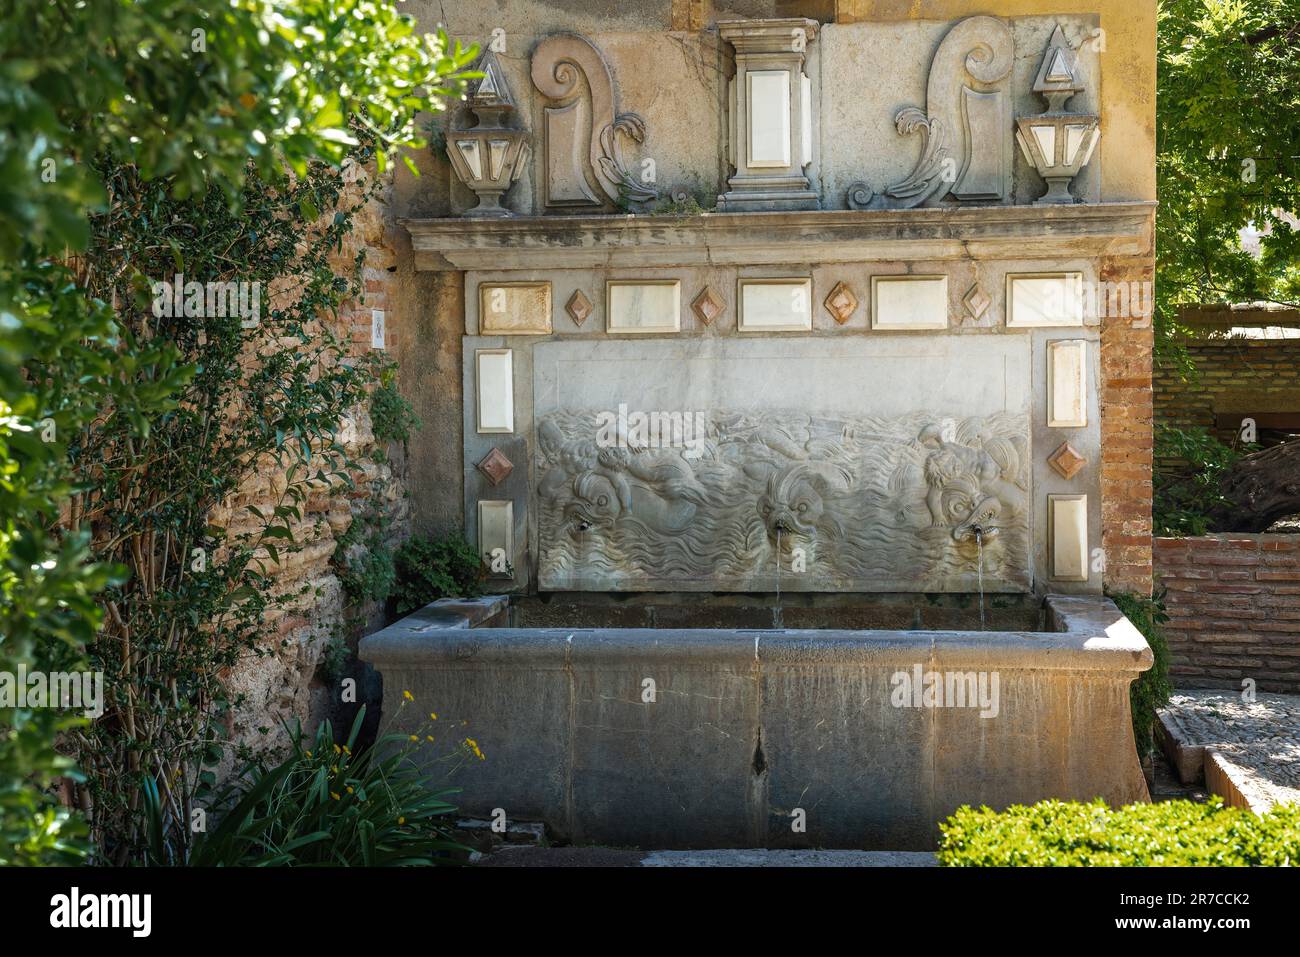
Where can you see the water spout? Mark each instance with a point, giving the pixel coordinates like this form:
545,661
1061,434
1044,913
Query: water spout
778,616
979,568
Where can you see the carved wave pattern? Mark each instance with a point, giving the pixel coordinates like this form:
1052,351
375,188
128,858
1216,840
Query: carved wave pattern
920,502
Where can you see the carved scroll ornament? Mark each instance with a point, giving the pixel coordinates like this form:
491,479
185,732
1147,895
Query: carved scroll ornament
558,62
965,126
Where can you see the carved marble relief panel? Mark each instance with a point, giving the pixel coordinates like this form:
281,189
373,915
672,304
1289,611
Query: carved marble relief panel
730,474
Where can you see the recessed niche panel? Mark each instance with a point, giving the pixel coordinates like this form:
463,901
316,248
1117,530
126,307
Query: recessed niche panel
514,308
1067,384
494,374
1045,299
496,532
909,302
775,305
1067,522
639,307
769,117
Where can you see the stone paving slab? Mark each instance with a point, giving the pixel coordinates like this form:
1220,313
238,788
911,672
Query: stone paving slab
1249,753
777,858
523,856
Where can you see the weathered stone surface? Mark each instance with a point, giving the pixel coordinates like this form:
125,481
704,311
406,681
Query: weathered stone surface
738,730
1247,751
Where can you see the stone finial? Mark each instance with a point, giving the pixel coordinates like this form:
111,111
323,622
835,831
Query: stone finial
1057,142
489,156
1057,79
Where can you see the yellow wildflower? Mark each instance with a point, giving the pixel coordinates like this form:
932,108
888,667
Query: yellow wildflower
334,796
408,696
473,746
432,716
415,737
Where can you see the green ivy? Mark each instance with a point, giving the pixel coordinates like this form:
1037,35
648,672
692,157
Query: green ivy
1151,689
392,418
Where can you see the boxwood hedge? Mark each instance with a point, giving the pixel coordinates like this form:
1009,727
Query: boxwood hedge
1167,834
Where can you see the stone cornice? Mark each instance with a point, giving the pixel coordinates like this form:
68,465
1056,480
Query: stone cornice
754,239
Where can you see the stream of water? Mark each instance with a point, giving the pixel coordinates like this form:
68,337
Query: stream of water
778,616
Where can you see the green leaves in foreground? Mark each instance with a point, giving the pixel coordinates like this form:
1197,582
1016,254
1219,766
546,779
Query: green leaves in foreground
327,806
1168,834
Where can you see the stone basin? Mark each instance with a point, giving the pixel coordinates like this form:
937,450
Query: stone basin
681,736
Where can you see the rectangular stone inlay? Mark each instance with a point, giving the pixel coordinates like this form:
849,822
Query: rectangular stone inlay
1067,384
514,308
1067,521
909,302
1044,299
496,522
643,306
496,390
775,305
769,117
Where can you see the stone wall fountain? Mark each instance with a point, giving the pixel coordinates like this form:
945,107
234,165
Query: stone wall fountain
735,473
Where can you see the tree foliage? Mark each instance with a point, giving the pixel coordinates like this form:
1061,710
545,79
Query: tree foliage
1228,125
109,110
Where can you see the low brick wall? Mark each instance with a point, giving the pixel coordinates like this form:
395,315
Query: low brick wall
1234,608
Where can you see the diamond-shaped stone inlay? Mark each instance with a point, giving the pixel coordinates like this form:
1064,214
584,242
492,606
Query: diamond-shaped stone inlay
977,301
496,466
1067,461
708,305
578,306
841,302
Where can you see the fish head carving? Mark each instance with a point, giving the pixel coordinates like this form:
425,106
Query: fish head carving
595,504
794,501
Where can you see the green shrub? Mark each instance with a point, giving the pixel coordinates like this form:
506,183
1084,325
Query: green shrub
1151,689
431,568
392,418
324,805
1168,834
1189,463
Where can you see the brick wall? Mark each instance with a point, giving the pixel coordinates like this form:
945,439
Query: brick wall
1236,375
281,681
1126,407
1234,605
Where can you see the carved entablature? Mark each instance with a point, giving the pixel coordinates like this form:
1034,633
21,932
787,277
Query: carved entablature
582,133
965,127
